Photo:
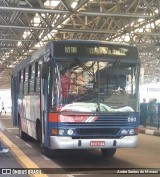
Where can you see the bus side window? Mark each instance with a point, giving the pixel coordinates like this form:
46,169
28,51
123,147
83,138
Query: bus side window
21,82
25,81
31,78
37,78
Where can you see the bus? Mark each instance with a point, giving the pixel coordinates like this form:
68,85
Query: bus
78,94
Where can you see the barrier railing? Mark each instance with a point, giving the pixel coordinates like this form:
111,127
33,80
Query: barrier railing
150,117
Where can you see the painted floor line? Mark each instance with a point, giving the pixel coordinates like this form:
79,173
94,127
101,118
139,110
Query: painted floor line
46,158
70,175
20,156
5,118
12,128
17,137
28,145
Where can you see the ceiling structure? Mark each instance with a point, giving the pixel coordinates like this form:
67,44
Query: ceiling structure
26,25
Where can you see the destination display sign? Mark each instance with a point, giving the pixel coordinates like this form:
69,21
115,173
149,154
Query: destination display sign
97,50
94,50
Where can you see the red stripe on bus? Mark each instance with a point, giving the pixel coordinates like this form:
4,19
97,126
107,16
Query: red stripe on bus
75,118
53,117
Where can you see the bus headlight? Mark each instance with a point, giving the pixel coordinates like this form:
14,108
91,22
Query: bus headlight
61,132
124,132
70,132
131,131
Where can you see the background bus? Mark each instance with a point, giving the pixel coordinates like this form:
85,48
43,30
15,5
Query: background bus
78,95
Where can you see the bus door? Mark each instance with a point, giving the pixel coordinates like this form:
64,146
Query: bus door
44,103
14,94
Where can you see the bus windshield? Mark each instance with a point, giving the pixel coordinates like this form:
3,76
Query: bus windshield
95,86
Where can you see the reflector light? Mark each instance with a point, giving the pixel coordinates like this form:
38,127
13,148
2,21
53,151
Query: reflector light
137,131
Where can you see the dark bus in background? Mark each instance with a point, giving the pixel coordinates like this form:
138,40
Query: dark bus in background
101,110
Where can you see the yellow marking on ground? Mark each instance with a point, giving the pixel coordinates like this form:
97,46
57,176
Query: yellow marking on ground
5,118
21,157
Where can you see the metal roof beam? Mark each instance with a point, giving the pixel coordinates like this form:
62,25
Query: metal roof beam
126,15
17,40
33,10
148,34
53,11
86,31
24,27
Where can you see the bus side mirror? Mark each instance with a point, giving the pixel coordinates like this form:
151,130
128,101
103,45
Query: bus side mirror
45,70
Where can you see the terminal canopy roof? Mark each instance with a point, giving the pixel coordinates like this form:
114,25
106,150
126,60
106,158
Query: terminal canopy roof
26,25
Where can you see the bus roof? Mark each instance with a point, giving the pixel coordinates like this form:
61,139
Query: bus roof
93,42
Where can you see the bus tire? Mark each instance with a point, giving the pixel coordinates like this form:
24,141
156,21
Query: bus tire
22,134
108,152
44,150
39,132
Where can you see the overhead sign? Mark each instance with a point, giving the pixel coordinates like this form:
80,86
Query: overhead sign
153,89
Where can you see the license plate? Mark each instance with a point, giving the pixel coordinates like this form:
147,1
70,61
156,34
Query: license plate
97,143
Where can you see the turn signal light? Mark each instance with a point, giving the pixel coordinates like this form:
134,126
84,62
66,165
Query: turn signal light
54,131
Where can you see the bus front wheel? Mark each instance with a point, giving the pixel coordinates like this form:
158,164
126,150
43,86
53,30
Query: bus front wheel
47,152
44,150
108,152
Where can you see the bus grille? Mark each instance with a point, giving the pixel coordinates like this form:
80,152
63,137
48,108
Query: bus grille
104,120
100,126
97,131
112,120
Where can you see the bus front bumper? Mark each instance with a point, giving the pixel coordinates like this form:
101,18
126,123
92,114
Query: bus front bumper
65,142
